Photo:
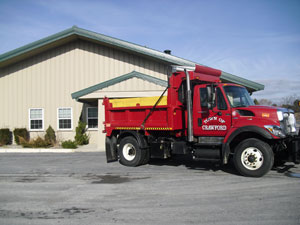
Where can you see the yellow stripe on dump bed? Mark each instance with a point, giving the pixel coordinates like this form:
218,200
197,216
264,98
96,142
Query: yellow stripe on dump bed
128,128
132,102
158,128
146,128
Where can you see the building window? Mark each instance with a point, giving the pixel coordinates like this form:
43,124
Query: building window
92,117
64,116
36,119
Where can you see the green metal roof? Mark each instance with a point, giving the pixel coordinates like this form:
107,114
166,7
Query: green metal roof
79,33
76,95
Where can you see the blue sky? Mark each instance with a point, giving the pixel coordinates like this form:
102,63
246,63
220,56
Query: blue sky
258,39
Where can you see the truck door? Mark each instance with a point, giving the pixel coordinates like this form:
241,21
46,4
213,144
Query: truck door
210,122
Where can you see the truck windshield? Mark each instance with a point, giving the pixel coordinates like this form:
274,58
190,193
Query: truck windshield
238,96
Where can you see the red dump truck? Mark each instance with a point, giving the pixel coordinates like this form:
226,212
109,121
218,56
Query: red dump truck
202,117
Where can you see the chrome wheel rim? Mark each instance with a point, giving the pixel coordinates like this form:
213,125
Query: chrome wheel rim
252,158
129,152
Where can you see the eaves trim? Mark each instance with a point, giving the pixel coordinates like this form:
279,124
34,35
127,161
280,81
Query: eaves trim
244,82
97,37
37,44
79,32
105,84
133,47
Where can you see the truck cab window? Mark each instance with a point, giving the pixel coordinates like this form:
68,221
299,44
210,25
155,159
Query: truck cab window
182,92
221,104
238,96
203,97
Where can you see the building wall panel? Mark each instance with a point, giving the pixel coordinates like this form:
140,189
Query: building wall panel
48,79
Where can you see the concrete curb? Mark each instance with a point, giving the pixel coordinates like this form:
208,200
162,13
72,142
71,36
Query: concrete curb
46,150
36,150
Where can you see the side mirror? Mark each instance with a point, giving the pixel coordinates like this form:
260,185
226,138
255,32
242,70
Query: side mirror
211,96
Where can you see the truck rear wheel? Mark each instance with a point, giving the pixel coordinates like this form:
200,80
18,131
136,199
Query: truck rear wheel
253,158
130,152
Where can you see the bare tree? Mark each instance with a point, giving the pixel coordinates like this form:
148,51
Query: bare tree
265,102
289,100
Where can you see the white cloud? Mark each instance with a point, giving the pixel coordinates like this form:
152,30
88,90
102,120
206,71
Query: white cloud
276,90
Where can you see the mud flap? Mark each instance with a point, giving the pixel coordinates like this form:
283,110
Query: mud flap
111,149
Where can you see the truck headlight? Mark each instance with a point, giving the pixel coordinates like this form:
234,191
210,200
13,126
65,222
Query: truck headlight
275,130
280,115
292,123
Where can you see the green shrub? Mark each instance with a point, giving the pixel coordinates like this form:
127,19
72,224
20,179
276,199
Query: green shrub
35,143
69,144
5,136
21,132
81,138
50,136
23,142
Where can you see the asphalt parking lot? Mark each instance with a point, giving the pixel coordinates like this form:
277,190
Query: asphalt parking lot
80,188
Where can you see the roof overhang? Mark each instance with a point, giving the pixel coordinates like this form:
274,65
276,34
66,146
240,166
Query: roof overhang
90,92
37,47
74,33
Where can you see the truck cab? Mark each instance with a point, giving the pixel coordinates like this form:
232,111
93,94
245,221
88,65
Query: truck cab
231,107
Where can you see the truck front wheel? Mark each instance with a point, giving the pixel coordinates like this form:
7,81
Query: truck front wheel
130,152
253,158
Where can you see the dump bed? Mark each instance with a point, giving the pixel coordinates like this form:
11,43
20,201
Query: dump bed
129,114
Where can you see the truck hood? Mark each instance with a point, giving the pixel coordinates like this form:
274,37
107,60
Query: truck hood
258,111
266,115
259,107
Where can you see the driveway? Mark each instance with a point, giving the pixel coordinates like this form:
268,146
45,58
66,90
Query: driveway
81,188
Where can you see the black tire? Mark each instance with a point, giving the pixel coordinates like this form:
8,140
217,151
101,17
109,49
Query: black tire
130,153
253,158
147,157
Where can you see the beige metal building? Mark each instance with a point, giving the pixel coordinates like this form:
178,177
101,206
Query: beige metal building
63,78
